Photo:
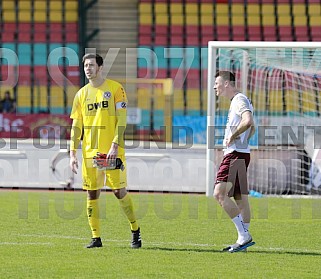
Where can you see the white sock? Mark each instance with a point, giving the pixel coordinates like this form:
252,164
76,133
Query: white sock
242,232
246,226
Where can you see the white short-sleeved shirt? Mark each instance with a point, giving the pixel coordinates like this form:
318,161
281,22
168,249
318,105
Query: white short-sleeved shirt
239,104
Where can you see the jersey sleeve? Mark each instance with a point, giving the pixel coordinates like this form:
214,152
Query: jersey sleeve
243,104
121,113
76,107
120,98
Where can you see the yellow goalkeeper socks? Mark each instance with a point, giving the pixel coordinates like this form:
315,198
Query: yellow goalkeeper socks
126,204
93,217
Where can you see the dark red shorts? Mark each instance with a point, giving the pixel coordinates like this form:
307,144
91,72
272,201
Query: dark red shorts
234,169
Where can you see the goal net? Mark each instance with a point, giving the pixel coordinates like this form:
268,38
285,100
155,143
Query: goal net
283,81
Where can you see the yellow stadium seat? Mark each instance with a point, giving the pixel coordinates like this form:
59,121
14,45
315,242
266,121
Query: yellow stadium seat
160,8
315,20
24,5
55,5
178,99
24,96
9,16
177,19
253,9
238,20
238,9
308,102
268,9
145,19
298,9
8,5
191,19
206,19
314,9
71,16
176,8
292,101
71,5
253,20
40,5
143,98
222,20
24,15
56,96
284,20
222,9
193,99
268,20
258,100
206,8
275,101
223,104
41,96
300,20
40,16
283,9
56,16
161,19
191,8
71,92
159,101
145,8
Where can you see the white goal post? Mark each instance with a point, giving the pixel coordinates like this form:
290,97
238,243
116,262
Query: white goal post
284,78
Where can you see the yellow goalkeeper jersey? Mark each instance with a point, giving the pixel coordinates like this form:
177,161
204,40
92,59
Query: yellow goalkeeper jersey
102,111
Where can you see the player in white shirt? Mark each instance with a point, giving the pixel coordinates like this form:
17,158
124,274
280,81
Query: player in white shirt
231,180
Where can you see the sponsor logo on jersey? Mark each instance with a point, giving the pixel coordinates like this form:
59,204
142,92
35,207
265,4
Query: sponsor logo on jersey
107,95
95,106
123,104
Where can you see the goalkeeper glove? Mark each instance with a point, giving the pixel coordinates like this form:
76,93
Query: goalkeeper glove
101,162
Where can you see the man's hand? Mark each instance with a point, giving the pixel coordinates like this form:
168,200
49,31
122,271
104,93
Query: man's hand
113,151
73,162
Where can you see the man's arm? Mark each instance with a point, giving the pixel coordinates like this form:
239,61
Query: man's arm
246,123
76,131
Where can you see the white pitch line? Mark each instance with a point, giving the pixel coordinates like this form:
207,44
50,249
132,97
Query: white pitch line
27,243
173,244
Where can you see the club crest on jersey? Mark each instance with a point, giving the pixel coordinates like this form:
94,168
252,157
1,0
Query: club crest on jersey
107,95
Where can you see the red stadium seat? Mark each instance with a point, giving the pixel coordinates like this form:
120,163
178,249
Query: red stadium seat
207,30
161,29
161,40
56,37
176,40
177,29
24,37
145,29
145,40
8,37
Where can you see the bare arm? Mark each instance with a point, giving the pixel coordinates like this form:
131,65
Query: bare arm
76,131
246,123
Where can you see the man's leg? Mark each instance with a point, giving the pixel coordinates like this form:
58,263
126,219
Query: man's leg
244,207
126,204
220,194
93,217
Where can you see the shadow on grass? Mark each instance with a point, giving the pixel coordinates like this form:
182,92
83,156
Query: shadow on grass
199,250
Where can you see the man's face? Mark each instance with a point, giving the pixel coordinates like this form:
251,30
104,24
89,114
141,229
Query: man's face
91,68
219,86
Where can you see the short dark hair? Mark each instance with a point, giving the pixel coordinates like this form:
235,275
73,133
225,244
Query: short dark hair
226,75
99,59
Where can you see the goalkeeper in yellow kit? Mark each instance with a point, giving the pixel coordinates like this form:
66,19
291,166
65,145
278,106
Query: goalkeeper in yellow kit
99,115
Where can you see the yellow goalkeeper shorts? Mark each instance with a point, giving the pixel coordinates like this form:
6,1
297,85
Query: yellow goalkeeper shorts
95,179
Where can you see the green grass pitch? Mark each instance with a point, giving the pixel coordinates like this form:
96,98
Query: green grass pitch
43,235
